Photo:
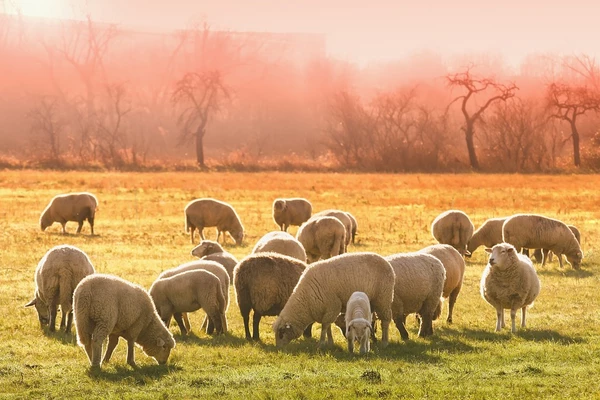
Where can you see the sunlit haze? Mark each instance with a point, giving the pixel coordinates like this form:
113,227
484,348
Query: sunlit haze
367,31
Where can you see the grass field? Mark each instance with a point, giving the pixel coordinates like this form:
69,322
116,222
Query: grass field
140,233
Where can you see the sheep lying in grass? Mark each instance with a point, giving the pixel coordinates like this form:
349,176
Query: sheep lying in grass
201,213
56,277
212,251
488,234
509,281
287,212
539,232
108,306
358,322
282,243
453,227
70,207
322,237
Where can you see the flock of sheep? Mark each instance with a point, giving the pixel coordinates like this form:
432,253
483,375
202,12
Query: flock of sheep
346,289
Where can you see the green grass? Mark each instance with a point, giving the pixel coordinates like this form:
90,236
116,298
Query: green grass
140,233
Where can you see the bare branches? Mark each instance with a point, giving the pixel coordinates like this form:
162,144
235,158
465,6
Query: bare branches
47,126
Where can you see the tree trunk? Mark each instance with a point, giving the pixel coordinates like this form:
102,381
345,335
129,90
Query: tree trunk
469,133
575,137
200,147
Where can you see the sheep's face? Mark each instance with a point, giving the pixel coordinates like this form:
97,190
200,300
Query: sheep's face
238,237
501,254
201,250
279,206
284,333
161,349
359,329
42,310
45,220
575,259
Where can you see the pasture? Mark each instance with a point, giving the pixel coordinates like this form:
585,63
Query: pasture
140,233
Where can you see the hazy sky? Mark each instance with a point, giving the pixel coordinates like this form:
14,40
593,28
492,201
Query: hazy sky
374,30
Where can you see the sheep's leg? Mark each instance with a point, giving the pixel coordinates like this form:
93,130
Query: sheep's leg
64,230
69,321
192,229
80,222
284,227
88,350
91,222
329,336
63,319
219,235
544,257
179,320
400,324
255,323
325,334
350,338
215,322
186,321
245,311
513,315
308,331
53,310
385,329
499,319
201,231
98,335
560,260
523,314
210,326
451,301
426,326
113,340
131,354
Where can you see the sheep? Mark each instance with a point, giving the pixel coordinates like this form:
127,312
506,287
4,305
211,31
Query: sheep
212,251
263,283
419,284
201,213
70,207
322,237
108,306
509,281
207,265
453,227
282,243
354,225
548,254
454,264
56,277
489,234
344,219
287,212
539,232
186,292
324,289
358,322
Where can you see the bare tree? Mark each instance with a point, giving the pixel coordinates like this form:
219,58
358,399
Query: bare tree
200,95
112,138
47,127
476,87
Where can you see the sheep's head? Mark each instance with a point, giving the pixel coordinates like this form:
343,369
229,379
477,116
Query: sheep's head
238,236
285,332
46,219
501,255
205,248
575,259
42,309
279,206
160,349
358,328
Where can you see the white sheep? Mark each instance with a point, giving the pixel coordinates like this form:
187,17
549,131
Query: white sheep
56,277
201,213
207,265
548,254
70,207
187,292
453,227
344,218
288,212
509,281
488,234
263,283
322,237
358,322
324,289
212,251
110,307
354,226
282,243
419,282
539,232
454,264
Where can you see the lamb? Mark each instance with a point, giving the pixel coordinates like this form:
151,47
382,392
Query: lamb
282,243
344,219
56,277
354,225
207,265
263,283
509,281
325,288
201,213
454,264
70,207
489,234
322,237
108,306
539,232
186,292
453,227
287,212
418,288
212,251
358,322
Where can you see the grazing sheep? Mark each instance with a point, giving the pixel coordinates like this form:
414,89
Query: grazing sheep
354,225
287,212
322,237
212,251
324,289
344,219
70,207
489,234
263,283
454,264
201,213
108,306
539,232
548,254
453,227
509,281
189,291
56,277
418,288
358,322
207,265
282,243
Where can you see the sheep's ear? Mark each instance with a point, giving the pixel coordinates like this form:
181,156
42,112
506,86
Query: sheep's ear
160,342
31,303
488,251
510,249
349,327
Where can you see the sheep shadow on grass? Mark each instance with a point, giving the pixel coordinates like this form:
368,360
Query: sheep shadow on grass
566,272
61,336
224,340
527,334
142,375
